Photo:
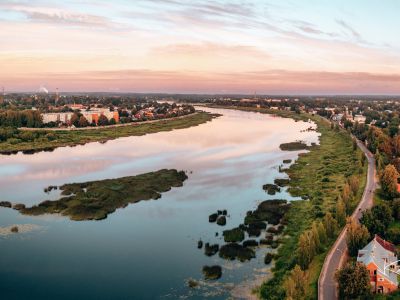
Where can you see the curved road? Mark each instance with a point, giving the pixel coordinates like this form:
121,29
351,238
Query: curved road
327,289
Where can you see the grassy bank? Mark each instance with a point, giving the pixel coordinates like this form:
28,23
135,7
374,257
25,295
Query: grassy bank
318,176
31,141
96,199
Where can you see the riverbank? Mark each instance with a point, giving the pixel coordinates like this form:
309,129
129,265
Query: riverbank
317,176
30,141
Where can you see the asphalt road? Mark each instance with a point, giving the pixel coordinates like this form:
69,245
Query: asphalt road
327,288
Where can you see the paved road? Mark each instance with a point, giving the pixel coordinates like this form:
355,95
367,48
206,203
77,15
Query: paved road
327,289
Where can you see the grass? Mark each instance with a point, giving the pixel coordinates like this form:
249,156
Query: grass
96,199
49,140
318,176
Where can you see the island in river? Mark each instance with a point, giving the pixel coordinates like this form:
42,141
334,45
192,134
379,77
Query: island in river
34,140
96,199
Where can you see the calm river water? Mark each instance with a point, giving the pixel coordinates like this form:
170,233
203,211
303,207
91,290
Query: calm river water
147,250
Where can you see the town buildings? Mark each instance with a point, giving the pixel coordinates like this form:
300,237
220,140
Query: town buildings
380,258
91,115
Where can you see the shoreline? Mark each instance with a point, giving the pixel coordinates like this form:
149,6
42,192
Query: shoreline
48,140
308,164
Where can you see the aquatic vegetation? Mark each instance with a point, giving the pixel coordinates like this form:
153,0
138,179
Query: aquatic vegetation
5,204
271,189
96,199
232,251
221,220
212,272
282,181
270,211
210,250
268,258
293,146
250,243
212,218
233,235
19,206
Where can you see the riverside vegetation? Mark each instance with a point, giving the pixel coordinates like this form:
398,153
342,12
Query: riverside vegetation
96,199
13,140
330,178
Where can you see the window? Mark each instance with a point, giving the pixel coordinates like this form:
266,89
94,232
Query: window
374,272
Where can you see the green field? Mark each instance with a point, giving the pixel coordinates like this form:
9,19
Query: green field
31,141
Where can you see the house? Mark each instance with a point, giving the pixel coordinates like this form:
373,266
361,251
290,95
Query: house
360,119
379,256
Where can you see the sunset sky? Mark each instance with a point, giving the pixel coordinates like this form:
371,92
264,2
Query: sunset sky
268,47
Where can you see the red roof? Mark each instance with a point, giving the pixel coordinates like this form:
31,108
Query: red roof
385,244
398,187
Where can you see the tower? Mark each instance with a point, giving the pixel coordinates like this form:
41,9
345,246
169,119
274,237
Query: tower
57,96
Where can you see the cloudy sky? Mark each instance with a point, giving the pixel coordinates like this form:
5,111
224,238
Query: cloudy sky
201,46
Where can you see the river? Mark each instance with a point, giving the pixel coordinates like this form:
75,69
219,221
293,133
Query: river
147,250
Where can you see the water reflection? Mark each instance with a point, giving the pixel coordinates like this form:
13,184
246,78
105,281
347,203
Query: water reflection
146,250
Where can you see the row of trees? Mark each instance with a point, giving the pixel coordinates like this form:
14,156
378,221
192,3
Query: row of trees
353,279
24,118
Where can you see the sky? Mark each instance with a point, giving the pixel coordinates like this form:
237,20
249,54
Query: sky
201,46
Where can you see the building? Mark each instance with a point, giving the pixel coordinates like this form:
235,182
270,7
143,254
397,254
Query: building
379,256
360,119
91,115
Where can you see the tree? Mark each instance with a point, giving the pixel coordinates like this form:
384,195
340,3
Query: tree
306,249
353,280
74,120
396,145
83,122
330,225
357,236
346,194
377,219
315,235
354,144
296,283
396,209
388,180
322,233
340,212
103,121
354,183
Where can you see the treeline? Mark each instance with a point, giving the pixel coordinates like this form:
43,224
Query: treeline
24,118
318,238
382,219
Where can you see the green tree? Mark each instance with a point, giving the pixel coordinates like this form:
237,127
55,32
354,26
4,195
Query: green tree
354,184
103,121
295,284
330,225
83,122
316,237
340,212
388,180
74,120
377,219
306,249
322,233
356,237
354,281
